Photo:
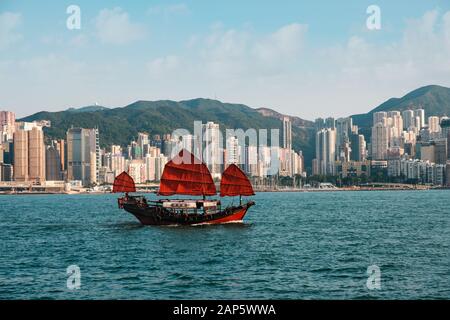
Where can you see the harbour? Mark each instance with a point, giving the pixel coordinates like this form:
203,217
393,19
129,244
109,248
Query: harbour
314,245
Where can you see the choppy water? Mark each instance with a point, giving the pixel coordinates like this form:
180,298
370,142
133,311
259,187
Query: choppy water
291,246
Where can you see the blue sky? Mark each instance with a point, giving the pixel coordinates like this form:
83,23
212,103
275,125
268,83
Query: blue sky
304,58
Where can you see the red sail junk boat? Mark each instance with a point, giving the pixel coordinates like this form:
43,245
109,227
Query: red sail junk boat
187,175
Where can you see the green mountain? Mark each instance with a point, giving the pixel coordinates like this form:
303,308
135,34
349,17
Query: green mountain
435,100
121,125
87,109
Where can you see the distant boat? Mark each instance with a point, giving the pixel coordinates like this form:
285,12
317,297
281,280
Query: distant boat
187,175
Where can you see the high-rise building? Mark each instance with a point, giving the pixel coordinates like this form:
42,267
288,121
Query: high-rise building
420,118
83,155
287,133
319,124
53,169
117,160
251,160
61,148
445,133
408,119
326,151
29,153
7,125
143,143
330,123
155,166
380,142
344,128
287,162
428,152
433,124
440,151
358,147
21,156
137,170
233,152
379,117
212,150
395,122
36,155
6,172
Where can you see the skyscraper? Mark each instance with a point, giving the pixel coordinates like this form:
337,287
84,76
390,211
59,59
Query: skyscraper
433,124
212,151
21,155
421,114
53,167
330,123
379,117
408,119
358,147
326,151
287,133
61,147
29,153
7,125
83,155
380,142
233,152
343,131
142,142
36,155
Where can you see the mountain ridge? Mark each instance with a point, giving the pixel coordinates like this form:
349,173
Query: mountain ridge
120,125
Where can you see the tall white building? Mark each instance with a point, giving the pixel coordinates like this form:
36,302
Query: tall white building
326,151
379,117
380,141
420,118
7,125
251,160
212,151
117,160
233,151
434,124
409,119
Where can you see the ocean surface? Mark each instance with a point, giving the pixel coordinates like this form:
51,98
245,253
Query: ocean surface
290,246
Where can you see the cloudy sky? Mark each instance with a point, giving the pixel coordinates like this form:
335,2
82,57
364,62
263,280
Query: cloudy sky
305,58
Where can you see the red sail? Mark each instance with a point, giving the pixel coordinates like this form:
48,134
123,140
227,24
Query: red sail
185,174
124,183
235,183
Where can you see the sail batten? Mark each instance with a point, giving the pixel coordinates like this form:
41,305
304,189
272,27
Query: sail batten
235,183
186,175
124,183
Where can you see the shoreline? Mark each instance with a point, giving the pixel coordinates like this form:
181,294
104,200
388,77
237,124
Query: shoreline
257,191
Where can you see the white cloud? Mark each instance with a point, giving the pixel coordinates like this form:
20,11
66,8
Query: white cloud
281,70
163,65
9,22
114,26
169,10
285,43
241,53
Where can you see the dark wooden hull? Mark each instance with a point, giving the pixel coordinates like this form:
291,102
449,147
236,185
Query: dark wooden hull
158,216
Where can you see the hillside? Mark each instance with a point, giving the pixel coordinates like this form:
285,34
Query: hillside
435,100
121,125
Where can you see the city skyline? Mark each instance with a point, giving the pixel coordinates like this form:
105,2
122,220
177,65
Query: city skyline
286,57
